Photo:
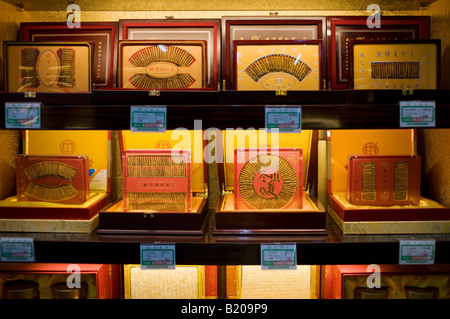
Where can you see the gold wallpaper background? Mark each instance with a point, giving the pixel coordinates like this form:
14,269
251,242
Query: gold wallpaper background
431,143
249,5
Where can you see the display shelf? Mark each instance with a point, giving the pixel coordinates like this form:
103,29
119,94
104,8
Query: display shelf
109,110
208,249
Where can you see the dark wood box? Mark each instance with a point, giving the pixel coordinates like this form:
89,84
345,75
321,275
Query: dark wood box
342,29
272,28
207,30
103,35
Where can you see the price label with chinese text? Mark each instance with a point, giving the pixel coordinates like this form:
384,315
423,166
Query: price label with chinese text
17,249
22,115
157,256
148,119
284,119
417,114
278,256
417,252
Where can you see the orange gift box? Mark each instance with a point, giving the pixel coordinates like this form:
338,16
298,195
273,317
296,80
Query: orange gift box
103,281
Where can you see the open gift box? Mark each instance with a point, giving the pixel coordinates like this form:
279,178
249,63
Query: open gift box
251,282
428,216
394,282
98,281
183,282
45,216
303,214
120,217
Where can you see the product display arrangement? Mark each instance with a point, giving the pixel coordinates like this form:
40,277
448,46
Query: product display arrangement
333,190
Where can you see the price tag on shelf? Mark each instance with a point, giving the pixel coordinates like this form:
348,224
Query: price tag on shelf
22,115
148,119
157,256
285,119
17,249
278,256
417,252
417,113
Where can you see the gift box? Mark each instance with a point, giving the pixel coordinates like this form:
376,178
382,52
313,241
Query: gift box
305,214
116,218
97,281
162,65
48,66
25,215
277,65
395,65
424,216
394,282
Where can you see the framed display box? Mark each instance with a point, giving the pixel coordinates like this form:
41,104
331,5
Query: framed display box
427,217
103,35
396,282
158,64
277,65
392,65
272,28
207,30
48,66
102,281
342,29
309,219
115,219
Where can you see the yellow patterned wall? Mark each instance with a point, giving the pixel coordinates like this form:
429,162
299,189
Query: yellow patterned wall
9,140
433,144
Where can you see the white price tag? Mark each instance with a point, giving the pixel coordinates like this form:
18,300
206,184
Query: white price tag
417,252
278,256
157,256
22,115
17,249
285,119
148,119
417,114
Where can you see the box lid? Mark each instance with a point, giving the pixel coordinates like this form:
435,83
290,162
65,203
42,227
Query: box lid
251,138
172,139
94,144
344,143
48,66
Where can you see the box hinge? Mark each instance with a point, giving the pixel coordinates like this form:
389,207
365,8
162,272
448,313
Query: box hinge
408,91
224,191
203,194
154,93
30,95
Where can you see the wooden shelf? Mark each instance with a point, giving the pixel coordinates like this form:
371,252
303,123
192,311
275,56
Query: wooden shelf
110,110
332,248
